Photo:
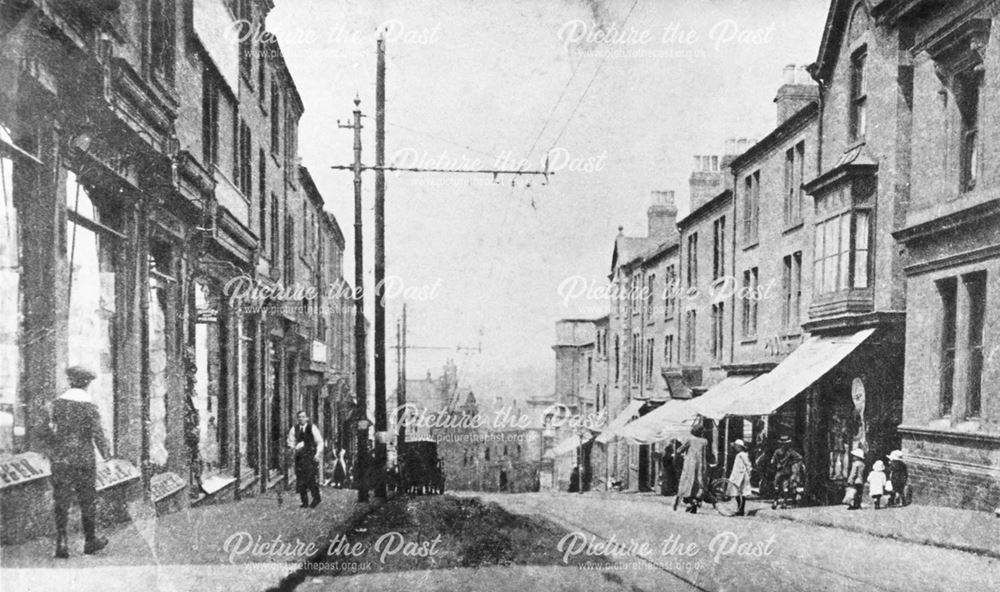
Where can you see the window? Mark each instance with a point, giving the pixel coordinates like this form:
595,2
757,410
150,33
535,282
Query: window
275,230
161,38
261,71
692,260
859,95
947,292
718,333
209,120
13,403
650,296
719,248
750,302
590,370
968,86
262,211
668,350
670,292
975,287
751,207
275,119
690,322
636,358
617,359
244,161
791,289
794,173
842,252
289,264
650,348
245,30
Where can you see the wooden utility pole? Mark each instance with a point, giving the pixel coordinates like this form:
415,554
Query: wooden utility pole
360,353
381,423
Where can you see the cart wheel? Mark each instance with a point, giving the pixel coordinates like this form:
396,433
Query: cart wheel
723,493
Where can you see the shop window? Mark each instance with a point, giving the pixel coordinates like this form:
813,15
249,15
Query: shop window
12,403
947,290
91,283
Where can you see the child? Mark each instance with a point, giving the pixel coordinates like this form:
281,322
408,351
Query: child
876,482
740,476
898,478
855,480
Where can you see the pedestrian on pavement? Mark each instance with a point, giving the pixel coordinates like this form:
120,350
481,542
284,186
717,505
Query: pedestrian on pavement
855,480
74,430
691,488
306,444
740,476
339,469
898,476
876,483
786,463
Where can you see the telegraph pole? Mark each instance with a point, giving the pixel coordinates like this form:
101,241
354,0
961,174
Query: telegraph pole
360,357
359,329
381,424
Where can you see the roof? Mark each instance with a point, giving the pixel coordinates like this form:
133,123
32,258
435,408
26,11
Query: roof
706,207
627,248
787,128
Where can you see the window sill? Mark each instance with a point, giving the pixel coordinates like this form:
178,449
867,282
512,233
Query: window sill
751,245
748,340
793,226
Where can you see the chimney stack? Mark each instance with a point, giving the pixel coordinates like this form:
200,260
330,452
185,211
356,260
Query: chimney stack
707,179
797,90
662,215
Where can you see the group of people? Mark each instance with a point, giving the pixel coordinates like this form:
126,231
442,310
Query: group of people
785,463
892,486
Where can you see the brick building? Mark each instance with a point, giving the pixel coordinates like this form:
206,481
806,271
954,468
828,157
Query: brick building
950,231
150,168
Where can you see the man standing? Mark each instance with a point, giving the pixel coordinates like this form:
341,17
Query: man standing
783,463
75,430
306,443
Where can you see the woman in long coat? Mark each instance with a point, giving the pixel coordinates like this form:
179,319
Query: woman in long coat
740,475
692,488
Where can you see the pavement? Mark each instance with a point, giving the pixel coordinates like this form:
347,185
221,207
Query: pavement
707,551
252,544
949,528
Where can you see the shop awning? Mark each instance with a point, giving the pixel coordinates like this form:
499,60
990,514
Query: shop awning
565,447
630,411
713,403
804,366
673,419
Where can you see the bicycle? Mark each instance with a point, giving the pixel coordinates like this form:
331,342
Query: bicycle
721,494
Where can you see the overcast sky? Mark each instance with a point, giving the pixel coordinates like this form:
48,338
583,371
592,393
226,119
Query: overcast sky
489,84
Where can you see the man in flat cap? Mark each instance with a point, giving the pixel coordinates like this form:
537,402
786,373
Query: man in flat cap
76,430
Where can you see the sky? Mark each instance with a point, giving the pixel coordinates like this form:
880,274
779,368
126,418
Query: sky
617,95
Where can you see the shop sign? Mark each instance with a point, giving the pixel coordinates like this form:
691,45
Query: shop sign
165,484
115,472
22,468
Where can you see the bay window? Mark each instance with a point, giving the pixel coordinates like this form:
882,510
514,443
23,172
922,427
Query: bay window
841,254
